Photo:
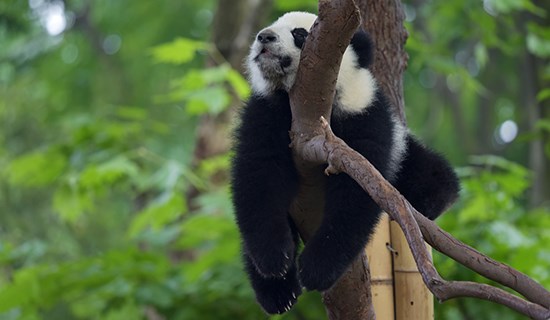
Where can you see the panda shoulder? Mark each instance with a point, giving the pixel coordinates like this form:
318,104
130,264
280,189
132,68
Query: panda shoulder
356,86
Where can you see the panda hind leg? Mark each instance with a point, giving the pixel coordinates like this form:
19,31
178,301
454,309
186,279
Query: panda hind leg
427,180
349,220
275,295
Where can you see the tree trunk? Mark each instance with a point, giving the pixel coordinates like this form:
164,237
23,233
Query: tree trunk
234,22
350,298
384,22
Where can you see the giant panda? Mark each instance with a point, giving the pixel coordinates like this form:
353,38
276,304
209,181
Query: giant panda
264,180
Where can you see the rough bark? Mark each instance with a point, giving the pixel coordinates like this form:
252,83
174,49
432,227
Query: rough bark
384,22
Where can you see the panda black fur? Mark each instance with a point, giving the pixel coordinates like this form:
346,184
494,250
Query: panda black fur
265,181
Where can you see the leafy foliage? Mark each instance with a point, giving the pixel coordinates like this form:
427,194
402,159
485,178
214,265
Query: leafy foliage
104,212
492,217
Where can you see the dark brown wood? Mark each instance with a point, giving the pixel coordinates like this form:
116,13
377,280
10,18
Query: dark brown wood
355,283
383,20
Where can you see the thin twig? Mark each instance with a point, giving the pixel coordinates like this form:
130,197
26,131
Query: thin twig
494,270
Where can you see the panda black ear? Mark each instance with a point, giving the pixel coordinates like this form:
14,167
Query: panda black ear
364,48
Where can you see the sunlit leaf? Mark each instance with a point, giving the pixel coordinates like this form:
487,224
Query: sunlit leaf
179,51
506,6
211,100
543,124
37,168
543,95
206,91
239,84
132,113
481,54
70,202
164,210
538,46
108,172
510,235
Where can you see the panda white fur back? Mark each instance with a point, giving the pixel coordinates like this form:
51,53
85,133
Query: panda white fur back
265,181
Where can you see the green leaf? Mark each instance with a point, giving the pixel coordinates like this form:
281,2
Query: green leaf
481,54
108,172
519,171
543,124
205,91
507,6
239,84
538,40
179,51
543,95
70,202
211,100
165,210
129,310
213,237
36,169
132,113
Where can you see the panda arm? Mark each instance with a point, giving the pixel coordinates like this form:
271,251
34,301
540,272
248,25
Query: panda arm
363,47
427,180
264,182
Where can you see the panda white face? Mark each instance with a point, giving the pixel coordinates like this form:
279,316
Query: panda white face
275,53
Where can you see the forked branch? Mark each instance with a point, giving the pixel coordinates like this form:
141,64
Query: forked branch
342,159
315,144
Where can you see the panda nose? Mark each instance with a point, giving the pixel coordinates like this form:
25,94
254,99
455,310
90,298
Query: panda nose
267,36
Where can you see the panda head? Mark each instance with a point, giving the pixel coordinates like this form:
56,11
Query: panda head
275,53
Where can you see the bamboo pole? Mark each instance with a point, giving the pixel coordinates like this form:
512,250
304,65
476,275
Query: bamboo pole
413,300
380,263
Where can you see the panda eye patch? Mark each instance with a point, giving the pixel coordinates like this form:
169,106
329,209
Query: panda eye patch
299,35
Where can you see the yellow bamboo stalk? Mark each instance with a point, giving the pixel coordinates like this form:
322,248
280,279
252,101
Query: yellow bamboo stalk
380,264
413,300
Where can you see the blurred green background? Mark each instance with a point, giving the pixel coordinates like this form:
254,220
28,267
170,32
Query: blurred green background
115,118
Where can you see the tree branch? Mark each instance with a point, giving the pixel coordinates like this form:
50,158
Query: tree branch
469,257
341,158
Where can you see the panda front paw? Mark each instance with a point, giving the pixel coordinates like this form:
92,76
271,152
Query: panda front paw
278,295
275,295
273,261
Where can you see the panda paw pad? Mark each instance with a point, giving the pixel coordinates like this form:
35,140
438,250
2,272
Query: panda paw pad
279,299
